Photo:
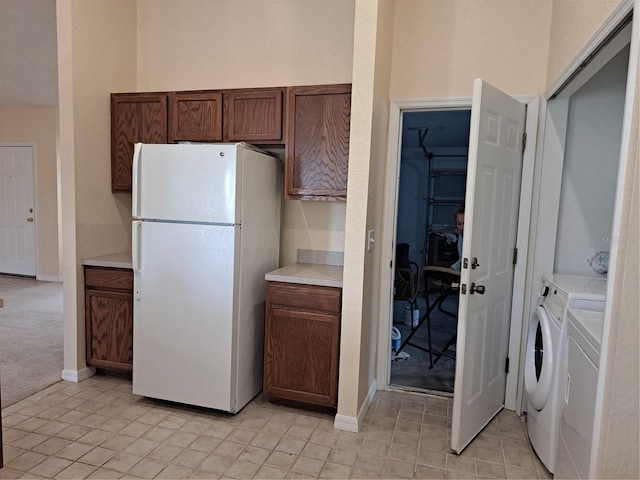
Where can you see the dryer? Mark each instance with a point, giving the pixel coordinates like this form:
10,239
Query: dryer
545,354
578,399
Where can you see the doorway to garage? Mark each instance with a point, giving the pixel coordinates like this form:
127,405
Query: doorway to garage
431,187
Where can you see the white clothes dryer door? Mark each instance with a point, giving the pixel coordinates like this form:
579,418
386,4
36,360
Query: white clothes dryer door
540,360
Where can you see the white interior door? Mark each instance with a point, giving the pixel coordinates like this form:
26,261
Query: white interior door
491,215
17,218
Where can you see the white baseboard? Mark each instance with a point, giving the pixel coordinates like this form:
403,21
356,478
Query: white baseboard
352,424
48,278
76,376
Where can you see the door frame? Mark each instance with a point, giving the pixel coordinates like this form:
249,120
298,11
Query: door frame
34,180
554,108
514,390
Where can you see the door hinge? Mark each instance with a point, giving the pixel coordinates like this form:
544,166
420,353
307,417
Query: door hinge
524,141
515,255
506,365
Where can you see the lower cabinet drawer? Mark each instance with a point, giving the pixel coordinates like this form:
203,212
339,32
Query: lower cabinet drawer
312,297
118,278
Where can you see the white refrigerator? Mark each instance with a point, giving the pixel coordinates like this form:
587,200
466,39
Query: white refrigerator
206,229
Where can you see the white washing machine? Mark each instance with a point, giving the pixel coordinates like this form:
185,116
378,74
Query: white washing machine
545,354
578,395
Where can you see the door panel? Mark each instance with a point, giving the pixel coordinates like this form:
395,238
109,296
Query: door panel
17,216
204,177
184,307
491,214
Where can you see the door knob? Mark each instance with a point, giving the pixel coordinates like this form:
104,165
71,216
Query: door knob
29,219
474,263
479,289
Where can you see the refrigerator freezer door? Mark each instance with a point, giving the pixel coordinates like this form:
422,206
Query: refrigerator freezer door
186,182
183,332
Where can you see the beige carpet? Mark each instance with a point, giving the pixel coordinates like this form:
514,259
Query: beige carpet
31,337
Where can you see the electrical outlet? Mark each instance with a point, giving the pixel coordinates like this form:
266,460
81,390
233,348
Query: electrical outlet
370,240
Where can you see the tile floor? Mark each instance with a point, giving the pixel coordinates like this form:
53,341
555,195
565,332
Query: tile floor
99,429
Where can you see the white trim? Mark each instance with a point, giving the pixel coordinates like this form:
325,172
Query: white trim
48,278
76,376
352,424
518,329
608,26
385,307
344,422
630,101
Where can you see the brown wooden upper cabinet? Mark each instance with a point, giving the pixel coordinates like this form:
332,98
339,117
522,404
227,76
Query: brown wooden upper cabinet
195,116
254,115
135,117
317,147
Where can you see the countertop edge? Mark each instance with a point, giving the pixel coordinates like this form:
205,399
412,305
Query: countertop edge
308,274
116,260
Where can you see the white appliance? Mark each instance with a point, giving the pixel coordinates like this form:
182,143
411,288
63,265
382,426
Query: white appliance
544,355
578,403
206,229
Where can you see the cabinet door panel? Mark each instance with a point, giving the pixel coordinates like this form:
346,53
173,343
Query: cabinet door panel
301,356
109,329
317,149
253,116
196,116
124,134
153,128
135,117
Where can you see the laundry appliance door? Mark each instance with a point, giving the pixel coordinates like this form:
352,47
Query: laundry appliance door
539,362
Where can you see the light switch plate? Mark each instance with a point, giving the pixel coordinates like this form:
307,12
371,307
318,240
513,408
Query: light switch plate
370,240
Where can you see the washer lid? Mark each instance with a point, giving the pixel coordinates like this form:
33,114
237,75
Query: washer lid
589,323
585,287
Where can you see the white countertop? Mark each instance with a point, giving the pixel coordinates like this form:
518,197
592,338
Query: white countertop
115,260
309,274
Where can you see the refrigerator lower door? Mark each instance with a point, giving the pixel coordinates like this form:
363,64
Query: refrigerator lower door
183,313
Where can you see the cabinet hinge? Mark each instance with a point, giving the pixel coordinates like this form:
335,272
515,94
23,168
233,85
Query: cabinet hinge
524,141
515,256
506,365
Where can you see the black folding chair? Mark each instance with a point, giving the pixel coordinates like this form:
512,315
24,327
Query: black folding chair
437,283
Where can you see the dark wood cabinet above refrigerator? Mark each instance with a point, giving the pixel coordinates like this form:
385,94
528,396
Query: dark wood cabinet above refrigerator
310,122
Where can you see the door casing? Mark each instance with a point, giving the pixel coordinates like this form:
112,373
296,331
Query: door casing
513,395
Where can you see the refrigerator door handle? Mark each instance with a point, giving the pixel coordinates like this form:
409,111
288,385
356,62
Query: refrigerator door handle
135,257
135,208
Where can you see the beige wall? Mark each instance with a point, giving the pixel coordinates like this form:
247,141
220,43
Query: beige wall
96,56
370,106
573,23
38,126
440,46
190,44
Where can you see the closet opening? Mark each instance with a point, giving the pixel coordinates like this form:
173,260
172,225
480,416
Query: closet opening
431,188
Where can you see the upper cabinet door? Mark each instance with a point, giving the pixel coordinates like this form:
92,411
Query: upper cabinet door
135,117
195,116
253,115
317,147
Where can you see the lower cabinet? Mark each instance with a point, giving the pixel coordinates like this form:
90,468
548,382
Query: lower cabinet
109,317
302,339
